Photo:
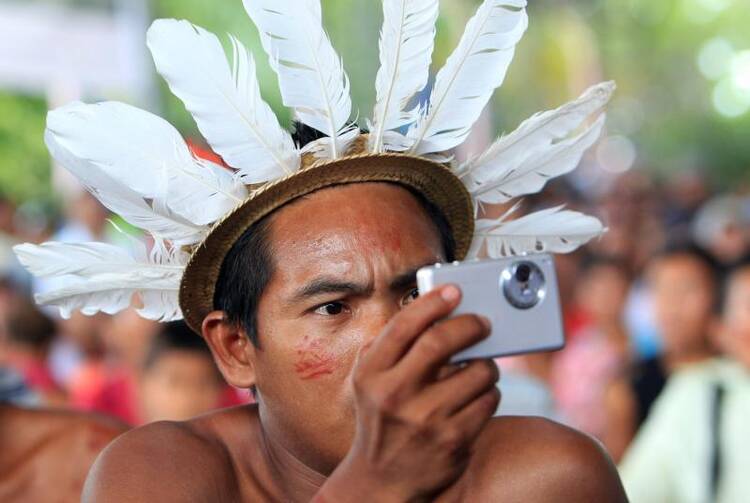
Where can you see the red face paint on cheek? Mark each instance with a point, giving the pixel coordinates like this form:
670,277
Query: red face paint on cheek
313,360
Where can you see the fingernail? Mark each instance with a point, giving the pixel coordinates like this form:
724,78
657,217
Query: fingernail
450,293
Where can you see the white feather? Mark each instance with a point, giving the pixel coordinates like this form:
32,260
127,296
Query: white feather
322,148
407,40
311,74
552,230
547,145
104,279
225,102
161,222
203,192
475,69
147,154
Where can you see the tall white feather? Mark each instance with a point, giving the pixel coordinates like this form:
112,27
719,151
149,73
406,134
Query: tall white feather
322,148
311,74
105,278
225,102
407,40
475,69
160,221
552,230
144,152
545,146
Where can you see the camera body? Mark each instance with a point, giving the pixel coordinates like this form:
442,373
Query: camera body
517,294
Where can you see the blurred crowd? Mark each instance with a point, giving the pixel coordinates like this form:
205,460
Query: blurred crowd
657,357
123,366
656,364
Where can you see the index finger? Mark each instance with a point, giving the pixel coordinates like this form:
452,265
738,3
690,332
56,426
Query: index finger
401,332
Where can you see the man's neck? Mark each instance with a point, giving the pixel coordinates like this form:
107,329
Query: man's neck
298,481
678,359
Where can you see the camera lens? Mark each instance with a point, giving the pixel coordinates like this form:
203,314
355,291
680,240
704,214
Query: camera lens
523,284
523,272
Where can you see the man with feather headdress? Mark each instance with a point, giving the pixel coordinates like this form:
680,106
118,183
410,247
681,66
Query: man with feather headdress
297,265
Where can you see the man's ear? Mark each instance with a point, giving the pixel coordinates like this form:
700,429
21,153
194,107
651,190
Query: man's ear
233,352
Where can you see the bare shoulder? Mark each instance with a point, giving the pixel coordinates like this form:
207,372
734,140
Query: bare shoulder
49,433
46,454
164,461
534,459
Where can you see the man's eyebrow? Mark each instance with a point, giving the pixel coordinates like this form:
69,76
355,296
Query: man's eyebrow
408,278
323,285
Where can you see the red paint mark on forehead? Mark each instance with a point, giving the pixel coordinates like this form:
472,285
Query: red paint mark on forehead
313,360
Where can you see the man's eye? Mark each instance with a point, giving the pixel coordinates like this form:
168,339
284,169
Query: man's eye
413,294
330,309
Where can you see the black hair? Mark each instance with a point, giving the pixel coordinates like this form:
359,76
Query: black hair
28,326
248,266
175,336
681,247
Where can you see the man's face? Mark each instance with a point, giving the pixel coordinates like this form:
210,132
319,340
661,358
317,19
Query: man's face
683,300
345,260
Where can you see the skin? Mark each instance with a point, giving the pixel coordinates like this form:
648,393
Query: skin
46,454
603,292
356,401
683,294
734,336
179,385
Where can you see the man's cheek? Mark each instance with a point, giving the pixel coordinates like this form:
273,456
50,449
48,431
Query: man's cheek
314,360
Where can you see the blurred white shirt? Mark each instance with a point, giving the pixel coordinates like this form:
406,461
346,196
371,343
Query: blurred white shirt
670,458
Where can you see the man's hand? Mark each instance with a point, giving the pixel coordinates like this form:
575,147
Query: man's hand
416,423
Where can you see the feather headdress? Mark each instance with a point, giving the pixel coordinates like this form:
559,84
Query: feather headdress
139,166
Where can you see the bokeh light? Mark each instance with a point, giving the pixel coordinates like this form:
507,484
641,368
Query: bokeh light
715,57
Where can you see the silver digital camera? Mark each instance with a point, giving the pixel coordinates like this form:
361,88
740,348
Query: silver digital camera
517,294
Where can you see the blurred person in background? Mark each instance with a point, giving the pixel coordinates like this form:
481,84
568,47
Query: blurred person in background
180,379
596,353
28,335
695,445
685,192
126,340
683,282
155,372
13,389
75,355
79,349
632,210
721,227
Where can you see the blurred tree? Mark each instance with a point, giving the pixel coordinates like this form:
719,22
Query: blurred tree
24,163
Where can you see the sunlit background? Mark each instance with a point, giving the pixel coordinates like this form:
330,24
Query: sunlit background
682,69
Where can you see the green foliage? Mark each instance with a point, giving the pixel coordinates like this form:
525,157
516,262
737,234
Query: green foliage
24,162
663,104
